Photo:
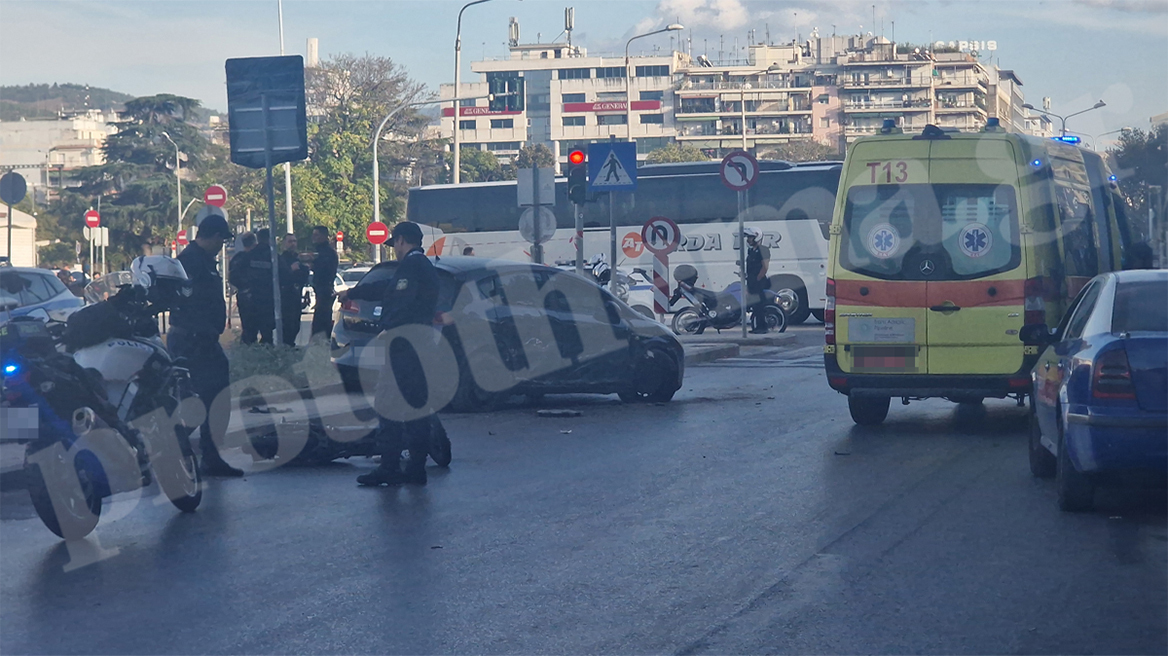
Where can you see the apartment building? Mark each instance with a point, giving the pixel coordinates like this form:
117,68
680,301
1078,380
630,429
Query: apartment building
830,90
40,149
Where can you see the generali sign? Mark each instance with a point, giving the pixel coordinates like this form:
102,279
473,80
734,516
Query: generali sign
476,111
611,106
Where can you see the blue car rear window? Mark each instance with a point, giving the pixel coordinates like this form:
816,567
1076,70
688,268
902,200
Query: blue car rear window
1141,306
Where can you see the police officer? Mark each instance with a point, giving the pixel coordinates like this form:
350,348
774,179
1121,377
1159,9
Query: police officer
409,297
293,277
324,272
196,323
237,276
758,260
258,281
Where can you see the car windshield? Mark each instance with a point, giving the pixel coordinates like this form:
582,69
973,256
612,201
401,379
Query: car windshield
22,288
1140,306
353,275
930,232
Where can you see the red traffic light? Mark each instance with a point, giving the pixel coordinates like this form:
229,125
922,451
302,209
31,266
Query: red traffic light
576,157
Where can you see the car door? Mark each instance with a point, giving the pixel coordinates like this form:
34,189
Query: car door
1053,365
587,320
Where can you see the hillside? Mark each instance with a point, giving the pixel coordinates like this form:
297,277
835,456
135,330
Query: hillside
46,100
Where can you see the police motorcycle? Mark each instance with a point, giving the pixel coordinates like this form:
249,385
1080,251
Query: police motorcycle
720,311
105,398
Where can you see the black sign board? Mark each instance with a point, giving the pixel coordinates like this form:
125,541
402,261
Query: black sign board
266,110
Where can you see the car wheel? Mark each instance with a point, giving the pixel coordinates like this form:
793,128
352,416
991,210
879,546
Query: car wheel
469,397
654,378
797,312
1042,462
1076,491
868,410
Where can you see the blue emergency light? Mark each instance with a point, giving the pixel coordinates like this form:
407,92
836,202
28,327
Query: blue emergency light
10,369
1068,138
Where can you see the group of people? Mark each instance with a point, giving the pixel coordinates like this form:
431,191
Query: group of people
250,272
410,296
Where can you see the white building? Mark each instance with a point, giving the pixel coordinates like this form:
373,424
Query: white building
40,149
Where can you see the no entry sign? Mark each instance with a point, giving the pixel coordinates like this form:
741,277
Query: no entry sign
182,238
215,195
92,219
377,232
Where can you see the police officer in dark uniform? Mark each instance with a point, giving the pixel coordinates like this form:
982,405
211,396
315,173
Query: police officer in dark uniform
758,260
324,273
409,297
258,281
196,323
293,277
237,276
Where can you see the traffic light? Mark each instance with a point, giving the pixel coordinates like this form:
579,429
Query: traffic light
577,177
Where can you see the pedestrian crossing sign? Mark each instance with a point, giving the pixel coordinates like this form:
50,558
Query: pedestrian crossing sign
612,166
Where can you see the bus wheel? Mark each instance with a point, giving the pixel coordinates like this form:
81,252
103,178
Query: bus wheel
798,312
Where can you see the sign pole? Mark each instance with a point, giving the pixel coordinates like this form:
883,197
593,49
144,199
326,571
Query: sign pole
104,239
612,239
91,251
9,251
279,333
742,255
537,247
579,239
661,285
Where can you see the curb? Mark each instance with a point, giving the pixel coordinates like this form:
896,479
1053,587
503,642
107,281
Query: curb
780,339
709,352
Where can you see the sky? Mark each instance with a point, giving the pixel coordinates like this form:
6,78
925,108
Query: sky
1074,51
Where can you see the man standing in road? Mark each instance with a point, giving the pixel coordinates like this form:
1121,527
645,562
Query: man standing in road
257,279
293,277
195,326
409,297
758,260
324,272
237,276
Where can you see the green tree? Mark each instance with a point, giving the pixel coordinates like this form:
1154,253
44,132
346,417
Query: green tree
1141,161
802,150
478,166
57,255
534,155
674,153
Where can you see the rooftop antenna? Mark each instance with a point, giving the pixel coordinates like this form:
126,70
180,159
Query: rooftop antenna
513,32
768,33
569,23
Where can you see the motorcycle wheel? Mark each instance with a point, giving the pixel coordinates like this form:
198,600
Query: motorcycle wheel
686,322
439,443
179,478
80,515
776,320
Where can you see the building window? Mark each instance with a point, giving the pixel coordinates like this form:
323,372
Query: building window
647,119
470,146
825,122
568,146
502,123
573,97
652,95
466,102
467,125
824,99
652,71
574,120
612,119
575,73
611,96
610,71
503,145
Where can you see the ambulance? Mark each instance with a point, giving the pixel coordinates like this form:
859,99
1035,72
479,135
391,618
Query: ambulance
943,245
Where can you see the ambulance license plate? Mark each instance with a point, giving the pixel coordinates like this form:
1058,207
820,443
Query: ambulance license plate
880,330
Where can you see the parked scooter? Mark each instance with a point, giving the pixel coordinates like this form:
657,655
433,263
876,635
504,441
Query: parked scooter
720,311
108,406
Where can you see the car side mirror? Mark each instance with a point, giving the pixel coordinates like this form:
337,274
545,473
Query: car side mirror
1037,333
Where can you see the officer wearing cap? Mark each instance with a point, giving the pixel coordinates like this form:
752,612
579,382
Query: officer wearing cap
196,322
409,297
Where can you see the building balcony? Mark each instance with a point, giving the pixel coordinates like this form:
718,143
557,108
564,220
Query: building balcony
885,83
887,105
690,87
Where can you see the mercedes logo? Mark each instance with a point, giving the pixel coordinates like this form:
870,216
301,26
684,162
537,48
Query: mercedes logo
927,267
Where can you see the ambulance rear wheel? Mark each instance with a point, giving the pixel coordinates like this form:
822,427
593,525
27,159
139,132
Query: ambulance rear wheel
868,410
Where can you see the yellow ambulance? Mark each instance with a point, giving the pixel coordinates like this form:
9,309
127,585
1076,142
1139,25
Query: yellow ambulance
943,245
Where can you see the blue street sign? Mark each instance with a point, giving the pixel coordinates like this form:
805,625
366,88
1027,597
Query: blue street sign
612,166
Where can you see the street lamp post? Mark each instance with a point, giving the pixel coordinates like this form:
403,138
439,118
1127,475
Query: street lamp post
1063,130
376,167
457,86
672,27
177,184
742,95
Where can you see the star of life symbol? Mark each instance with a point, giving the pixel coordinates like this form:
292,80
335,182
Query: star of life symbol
975,240
883,241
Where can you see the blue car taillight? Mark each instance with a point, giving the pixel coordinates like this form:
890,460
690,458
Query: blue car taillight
1111,376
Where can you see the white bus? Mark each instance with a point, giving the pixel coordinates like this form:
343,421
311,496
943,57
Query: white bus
791,204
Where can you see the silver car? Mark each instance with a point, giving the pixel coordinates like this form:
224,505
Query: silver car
24,289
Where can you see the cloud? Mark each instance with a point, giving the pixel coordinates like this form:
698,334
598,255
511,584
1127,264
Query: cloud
1131,6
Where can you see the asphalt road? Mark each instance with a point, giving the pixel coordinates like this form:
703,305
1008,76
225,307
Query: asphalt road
747,516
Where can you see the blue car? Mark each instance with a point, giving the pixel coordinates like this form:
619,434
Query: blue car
1100,401
24,290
